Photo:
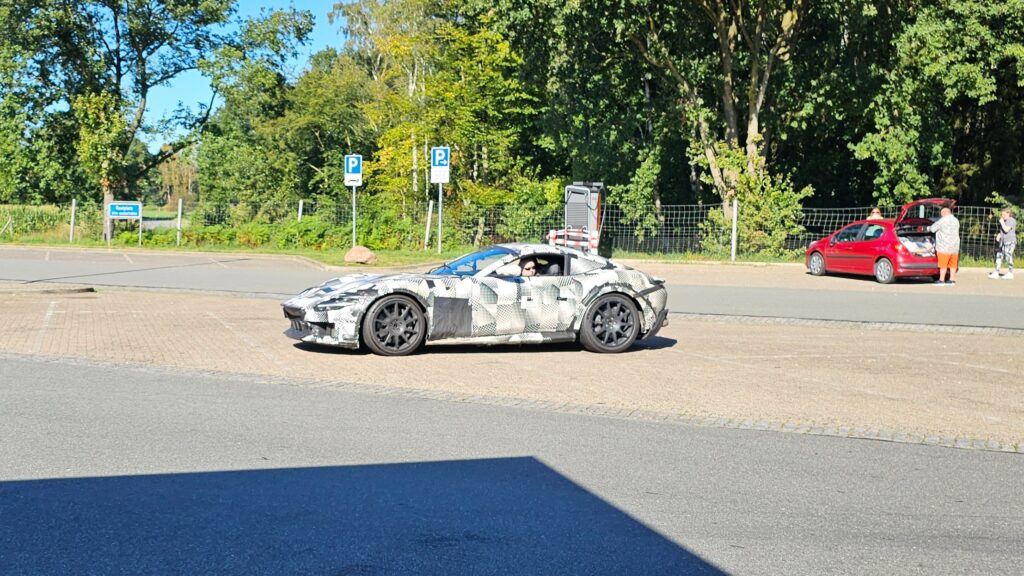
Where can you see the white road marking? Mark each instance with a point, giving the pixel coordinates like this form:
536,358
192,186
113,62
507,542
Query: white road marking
863,355
47,257
762,368
978,367
41,335
217,262
127,258
248,341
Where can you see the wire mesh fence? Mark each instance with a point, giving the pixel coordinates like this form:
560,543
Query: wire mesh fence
674,229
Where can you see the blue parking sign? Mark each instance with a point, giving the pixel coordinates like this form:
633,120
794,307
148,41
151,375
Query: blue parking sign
353,170
440,159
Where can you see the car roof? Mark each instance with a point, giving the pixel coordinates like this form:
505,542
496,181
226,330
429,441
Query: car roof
538,248
888,221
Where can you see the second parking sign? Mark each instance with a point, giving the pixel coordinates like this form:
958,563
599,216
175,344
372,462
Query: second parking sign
439,160
353,170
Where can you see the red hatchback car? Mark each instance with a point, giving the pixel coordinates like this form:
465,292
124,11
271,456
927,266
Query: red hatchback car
885,249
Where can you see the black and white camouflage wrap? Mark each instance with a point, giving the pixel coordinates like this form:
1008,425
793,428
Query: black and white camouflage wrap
483,308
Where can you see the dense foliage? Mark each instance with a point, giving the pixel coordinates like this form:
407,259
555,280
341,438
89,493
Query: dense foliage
779,103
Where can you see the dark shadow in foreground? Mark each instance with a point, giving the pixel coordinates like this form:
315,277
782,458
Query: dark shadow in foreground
490,516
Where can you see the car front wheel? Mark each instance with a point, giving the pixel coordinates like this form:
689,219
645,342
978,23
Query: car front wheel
394,326
884,272
610,325
817,264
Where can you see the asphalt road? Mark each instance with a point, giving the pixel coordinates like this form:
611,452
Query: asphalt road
281,277
132,470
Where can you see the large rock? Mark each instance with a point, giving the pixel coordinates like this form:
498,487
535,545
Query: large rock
360,255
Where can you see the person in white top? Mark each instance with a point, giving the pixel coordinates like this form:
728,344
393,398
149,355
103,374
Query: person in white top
947,244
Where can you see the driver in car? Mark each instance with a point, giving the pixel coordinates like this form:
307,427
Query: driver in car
529,267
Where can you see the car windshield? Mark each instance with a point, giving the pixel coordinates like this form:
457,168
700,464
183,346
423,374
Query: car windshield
470,264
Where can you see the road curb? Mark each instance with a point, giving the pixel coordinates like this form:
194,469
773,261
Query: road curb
884,326
44,289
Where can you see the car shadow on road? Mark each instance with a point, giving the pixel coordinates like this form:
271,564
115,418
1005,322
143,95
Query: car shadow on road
655,343
910,280
484,516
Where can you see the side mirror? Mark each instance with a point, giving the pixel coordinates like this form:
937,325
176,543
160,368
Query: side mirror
832,241
508,271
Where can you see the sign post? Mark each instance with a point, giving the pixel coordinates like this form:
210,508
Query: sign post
74,205
353,178
440,160
177,236
124,210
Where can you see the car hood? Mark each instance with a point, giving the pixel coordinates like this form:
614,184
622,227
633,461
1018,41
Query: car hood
352,284
922,202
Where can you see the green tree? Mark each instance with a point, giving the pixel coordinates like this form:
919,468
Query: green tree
949,120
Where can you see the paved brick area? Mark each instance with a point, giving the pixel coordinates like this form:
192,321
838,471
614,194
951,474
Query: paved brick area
954,388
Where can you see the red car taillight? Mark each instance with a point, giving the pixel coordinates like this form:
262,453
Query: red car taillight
900,248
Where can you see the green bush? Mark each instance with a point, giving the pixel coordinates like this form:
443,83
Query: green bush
253,235
16,219
309,233
209,235
770,210
160,237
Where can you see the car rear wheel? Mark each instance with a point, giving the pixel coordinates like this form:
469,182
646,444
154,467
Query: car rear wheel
394,326
610,325
817,264
884,272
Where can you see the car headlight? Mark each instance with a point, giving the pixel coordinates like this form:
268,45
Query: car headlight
337,303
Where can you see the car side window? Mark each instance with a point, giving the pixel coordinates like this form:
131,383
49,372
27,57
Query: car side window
874,232
549,264
849,234
582,265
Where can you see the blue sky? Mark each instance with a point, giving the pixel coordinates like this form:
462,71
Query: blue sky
191,88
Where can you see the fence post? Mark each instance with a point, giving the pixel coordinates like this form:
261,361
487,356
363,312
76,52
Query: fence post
735,211
178,240
74,207
300,210
426,233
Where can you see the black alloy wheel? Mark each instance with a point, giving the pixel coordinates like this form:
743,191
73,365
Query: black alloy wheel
394,326
610,325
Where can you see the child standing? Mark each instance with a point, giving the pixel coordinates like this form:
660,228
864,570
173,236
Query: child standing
1006,242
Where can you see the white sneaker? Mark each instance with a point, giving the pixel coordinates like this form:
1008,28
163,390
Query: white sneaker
994,275
1008,276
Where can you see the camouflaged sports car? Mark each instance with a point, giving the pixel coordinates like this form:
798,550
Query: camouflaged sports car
510,293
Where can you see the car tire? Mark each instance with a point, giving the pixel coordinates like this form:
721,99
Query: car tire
816,265
394,326
884,272
610,325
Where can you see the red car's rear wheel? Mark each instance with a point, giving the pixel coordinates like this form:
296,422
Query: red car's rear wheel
884,272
